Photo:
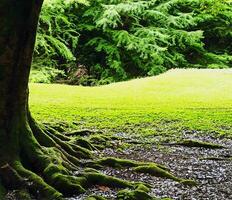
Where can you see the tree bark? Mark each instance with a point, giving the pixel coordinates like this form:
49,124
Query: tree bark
18,23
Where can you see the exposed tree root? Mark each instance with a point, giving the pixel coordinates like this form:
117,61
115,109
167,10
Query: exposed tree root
81,133
15,176
196,143
50,166
134,195
149,168
217,158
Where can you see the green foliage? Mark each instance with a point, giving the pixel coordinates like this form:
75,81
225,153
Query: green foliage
43,71
57,36
118,40
45,75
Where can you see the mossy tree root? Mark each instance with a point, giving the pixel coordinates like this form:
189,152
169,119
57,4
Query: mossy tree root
197,143
46,164
15,176
50,166
143,167
82,133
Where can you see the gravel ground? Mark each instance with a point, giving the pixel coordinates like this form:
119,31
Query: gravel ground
211,168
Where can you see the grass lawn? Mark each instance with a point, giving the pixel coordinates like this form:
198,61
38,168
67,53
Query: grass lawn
178,100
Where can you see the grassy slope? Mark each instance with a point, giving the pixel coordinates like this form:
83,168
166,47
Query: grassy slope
176,100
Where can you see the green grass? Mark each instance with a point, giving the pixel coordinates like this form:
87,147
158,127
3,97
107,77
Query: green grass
173,101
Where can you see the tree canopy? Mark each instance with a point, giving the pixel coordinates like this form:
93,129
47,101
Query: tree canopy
118,40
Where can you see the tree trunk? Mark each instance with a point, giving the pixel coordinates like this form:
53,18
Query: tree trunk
18,22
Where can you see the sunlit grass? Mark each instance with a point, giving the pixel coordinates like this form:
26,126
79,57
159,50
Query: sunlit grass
197,99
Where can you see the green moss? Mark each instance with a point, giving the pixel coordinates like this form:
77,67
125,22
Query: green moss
188,182
95,197
121,163
81,151
90,170
90,198
142,187
150,168
98,139
117,163
59,178
100,147
196,143
161,166
52,169
68,185
154,170
92,164
101,179
39,187
133,195
58,126
22,194
84,143
81,133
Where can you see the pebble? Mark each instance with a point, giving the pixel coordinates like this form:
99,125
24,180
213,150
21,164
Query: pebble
214,177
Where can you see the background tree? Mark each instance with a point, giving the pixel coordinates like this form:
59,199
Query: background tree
120,40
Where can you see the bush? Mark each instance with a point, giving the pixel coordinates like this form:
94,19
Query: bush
45,75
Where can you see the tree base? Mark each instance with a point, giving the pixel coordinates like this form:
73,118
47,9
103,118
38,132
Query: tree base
45,167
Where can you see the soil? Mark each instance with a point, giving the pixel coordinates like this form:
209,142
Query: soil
211,168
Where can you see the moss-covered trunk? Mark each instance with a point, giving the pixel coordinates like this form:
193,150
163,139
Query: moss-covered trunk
18,22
